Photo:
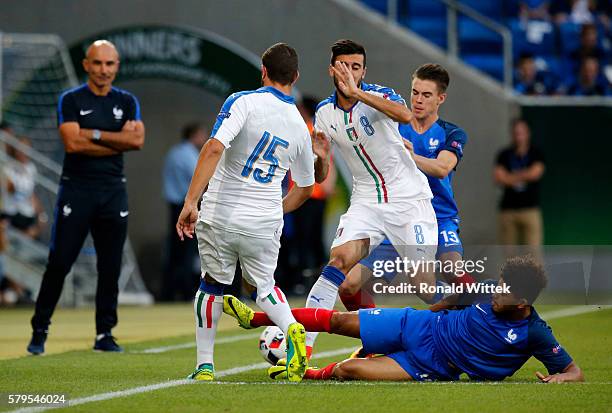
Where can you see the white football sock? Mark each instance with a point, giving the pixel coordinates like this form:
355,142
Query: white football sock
276,307
323,294
208,309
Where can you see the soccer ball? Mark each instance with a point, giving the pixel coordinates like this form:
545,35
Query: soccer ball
272,344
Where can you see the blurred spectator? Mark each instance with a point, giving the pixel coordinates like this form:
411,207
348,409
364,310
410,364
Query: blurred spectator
518,171
589,46
534,10
11,292
21,204
590,82
531,81
575,11
182,269
580,11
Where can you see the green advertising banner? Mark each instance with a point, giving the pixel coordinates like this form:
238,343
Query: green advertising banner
196,57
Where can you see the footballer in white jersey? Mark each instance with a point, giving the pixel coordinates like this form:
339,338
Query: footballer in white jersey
370,143
391,197
264,135
258,136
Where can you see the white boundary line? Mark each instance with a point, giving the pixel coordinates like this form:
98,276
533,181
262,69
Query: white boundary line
173,383
567,312
572,311
392,383
222,340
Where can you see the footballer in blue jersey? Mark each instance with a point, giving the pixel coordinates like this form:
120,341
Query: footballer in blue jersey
486,341
436,147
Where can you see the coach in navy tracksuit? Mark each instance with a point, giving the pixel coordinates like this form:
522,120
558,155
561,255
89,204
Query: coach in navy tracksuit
97,123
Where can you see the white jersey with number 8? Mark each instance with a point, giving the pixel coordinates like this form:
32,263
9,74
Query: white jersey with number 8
371,145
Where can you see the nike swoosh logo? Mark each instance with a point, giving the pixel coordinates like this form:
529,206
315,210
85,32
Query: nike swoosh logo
85,112
478,307
123,214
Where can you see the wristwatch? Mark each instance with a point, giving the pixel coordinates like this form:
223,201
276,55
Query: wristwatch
96,135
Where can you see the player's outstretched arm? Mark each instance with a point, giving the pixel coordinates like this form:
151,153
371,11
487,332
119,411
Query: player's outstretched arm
207,163
571,373
75,142
438,167
130,138
296,197
394,110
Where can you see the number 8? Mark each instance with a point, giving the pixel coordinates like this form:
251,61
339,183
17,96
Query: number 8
420,237
367,127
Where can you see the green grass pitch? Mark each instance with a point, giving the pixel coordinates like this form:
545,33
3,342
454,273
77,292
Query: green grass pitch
244,387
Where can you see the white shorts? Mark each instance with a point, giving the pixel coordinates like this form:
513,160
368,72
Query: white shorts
220,249
411,227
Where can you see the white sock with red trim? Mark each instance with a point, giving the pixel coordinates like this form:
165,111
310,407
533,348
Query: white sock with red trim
208,309
276,307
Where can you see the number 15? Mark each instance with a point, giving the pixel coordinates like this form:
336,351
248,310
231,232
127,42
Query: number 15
258,175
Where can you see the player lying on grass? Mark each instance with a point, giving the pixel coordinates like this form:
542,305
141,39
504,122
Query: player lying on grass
486,341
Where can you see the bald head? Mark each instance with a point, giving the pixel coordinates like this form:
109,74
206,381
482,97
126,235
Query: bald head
101,64
101,46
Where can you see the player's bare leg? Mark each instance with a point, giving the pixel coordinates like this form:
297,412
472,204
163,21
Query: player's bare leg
345,324
424,273
356,278
345,256
351,291
377,368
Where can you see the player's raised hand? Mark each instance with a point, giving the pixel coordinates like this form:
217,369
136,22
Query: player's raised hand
346,82
185,225
320,144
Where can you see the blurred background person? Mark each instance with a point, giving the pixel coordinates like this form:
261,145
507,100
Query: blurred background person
589,82
11,291
534,10
590,46
529,80
182,269
518,170
21,204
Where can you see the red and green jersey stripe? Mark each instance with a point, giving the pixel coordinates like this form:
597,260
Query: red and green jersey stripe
383,184
366,160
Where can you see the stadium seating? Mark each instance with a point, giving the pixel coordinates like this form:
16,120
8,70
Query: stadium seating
481,47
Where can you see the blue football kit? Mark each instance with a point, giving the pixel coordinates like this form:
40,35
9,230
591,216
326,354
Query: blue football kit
441,136
475,340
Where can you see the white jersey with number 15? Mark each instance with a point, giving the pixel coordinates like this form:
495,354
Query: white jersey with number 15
264,136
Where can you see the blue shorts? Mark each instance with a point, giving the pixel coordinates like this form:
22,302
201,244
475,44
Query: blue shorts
448,240
448,236
406,336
